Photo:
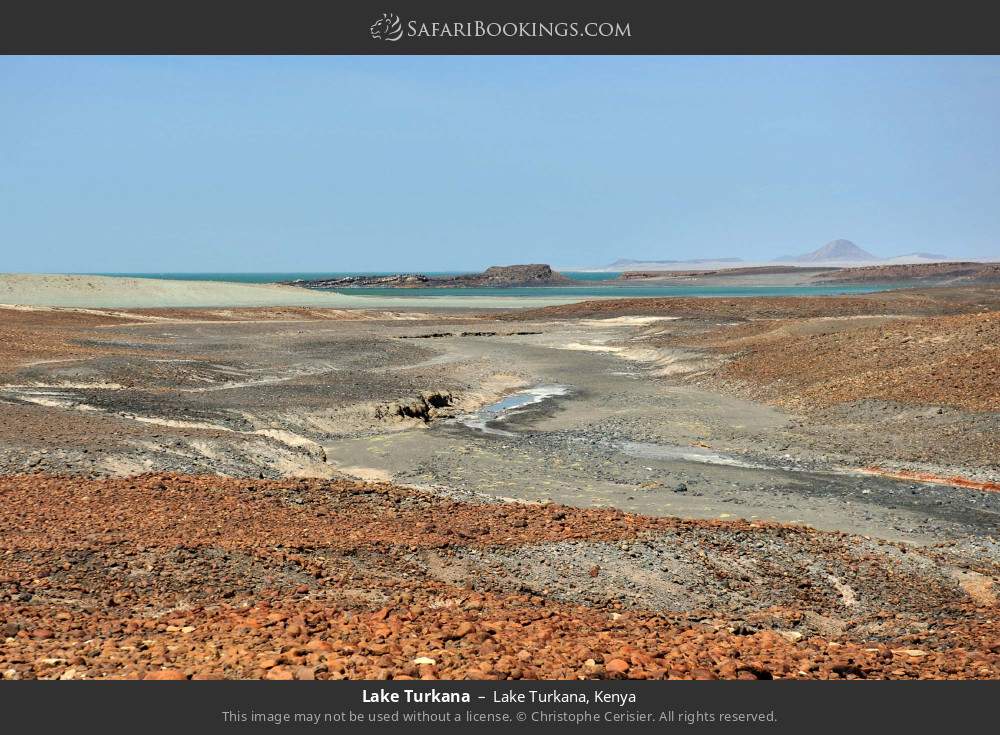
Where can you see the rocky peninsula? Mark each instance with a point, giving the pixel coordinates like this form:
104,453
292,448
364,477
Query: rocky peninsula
497,276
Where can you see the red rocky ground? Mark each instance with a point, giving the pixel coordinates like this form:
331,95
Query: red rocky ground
205,577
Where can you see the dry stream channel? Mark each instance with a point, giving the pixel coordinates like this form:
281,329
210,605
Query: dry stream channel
571,412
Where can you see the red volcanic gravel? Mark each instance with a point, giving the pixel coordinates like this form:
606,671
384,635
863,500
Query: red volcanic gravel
177,577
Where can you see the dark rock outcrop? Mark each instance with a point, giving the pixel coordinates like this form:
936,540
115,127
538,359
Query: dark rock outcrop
427,406
497,276
514,275
398,280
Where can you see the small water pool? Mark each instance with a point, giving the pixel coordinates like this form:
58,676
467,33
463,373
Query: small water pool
502,409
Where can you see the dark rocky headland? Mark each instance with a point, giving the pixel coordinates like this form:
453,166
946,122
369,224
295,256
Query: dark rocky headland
497,276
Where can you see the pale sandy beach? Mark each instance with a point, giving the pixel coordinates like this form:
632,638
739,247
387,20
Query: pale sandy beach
96,292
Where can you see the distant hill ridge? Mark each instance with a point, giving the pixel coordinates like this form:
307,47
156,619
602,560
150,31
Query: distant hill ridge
835,251
956,272
634,261
839,252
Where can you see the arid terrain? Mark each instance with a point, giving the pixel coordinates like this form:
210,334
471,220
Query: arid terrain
935,274
783,487
951,273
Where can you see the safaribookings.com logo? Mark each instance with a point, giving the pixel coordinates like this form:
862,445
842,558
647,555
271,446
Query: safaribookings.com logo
390,28
387,28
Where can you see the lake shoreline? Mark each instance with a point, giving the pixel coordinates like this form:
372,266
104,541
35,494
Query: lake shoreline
78,291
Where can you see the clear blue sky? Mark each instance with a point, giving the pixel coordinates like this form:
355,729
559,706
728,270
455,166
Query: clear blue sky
440,163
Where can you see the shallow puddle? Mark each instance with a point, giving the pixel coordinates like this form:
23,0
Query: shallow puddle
502,409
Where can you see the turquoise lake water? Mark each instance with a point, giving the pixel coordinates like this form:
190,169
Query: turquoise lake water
590,285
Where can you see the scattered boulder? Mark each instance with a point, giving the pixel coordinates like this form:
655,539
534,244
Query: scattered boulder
165,675
616,666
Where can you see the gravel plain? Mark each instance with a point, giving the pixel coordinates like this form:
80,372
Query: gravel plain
327,493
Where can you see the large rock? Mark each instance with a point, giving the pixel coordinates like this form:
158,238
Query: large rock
165,675
518,275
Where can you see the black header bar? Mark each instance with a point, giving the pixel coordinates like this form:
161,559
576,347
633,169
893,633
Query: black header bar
510,27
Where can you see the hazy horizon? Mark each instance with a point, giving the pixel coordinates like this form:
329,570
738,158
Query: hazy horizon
340,164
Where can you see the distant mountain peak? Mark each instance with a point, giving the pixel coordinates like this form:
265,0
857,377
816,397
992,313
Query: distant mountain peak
839,250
